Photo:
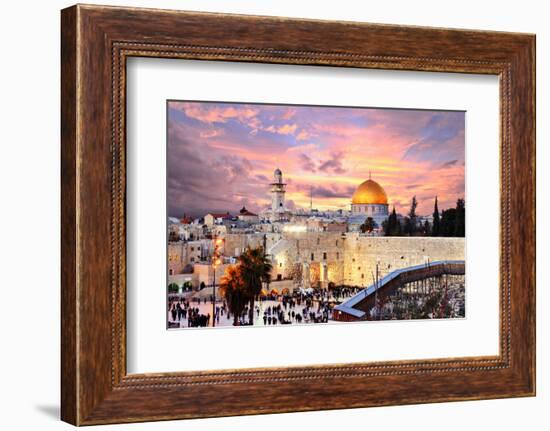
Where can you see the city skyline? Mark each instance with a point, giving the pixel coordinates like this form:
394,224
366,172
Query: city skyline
221,156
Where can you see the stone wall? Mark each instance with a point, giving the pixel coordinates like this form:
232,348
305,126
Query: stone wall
351,259
317,258
362,253
235,244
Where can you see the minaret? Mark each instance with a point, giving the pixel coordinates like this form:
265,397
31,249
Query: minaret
277,193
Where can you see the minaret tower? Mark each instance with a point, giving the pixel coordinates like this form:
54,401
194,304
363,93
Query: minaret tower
278,194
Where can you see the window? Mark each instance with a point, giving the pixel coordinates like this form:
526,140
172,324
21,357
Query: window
337,255
192,259
171,271
325,255
312,256
318,240
336,243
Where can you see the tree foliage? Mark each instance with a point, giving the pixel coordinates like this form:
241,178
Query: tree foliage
254,269
460,221
173,288
411,219
448,222
392,225
368,225
233,290
436,224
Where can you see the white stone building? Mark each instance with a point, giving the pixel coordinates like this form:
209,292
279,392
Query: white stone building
277,212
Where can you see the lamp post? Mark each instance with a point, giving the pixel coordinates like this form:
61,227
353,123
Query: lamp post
376,305
216,261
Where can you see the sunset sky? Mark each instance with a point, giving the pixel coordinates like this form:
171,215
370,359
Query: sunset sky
221,156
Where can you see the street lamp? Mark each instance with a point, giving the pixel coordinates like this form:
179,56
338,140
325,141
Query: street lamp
376,289
216,261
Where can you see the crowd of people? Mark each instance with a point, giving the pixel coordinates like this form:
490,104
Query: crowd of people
300,307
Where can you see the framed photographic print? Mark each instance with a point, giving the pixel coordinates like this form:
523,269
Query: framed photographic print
251,205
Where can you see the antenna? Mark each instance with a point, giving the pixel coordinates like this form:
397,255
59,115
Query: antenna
310,198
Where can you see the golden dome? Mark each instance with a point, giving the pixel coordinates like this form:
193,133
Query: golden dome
369,192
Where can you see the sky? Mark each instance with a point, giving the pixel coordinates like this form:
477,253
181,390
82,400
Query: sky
221,156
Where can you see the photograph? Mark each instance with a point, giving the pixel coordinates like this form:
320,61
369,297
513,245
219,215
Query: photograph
299,214
275,215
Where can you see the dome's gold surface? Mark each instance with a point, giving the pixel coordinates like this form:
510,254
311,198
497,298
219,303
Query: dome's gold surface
369,192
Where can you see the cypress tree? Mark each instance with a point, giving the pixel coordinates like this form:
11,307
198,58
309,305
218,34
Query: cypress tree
392,226
410,222
387,225
436,225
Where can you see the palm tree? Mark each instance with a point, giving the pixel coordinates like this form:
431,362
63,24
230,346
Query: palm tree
233,291
255,268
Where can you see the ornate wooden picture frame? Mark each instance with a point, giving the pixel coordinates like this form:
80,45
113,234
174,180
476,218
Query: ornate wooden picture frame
96,41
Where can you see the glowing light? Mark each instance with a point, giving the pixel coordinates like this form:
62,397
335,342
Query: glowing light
295,228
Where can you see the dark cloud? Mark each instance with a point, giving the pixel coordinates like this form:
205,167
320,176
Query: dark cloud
325,192
440,139
334,164
306,163
448,164
199,182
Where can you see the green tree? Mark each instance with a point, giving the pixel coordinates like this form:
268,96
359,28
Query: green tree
436,225
460,222
426,231
398,230
411,220
448,222
255,268
232,289
392,225
173,288
368,225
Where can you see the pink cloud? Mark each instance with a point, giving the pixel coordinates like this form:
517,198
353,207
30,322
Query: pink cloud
285,129
408,152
